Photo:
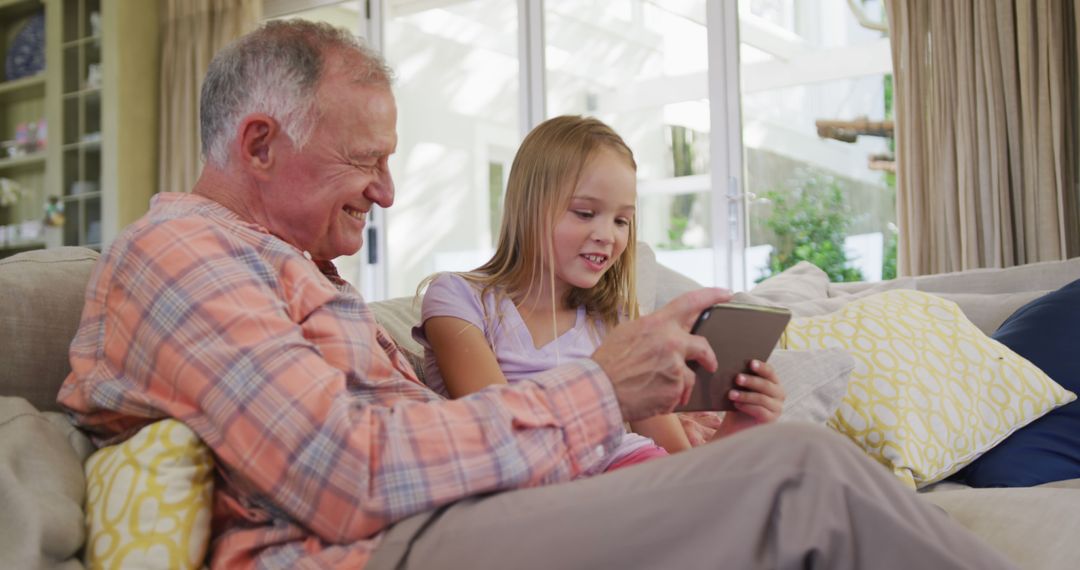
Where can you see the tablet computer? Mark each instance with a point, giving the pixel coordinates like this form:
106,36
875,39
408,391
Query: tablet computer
738,333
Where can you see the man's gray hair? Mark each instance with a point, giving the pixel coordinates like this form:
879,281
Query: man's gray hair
276,70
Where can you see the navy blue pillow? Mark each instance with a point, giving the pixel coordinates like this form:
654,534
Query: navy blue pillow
1045,331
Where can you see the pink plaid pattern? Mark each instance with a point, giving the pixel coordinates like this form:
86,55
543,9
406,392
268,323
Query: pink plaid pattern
322,434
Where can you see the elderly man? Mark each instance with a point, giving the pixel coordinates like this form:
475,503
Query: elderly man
221,308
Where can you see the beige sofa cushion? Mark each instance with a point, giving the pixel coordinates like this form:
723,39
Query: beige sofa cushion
984,299
988,310
1042,276
398,316
797,284
42,295
41,490
658,283
1033,526
812,307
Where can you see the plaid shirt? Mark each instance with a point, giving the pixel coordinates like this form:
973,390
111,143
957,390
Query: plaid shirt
322,435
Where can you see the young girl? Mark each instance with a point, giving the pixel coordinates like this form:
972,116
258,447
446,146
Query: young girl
562,275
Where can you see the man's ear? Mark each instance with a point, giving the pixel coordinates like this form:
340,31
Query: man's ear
257,134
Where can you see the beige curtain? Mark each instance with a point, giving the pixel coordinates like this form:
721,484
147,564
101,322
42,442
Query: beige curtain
192,32
986,132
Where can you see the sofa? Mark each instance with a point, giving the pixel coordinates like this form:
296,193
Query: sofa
43,488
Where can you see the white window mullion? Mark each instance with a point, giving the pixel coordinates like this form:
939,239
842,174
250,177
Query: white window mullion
373,24
374,278
531,61
725,140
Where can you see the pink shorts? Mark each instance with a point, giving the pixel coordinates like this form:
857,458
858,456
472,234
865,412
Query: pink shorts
642,455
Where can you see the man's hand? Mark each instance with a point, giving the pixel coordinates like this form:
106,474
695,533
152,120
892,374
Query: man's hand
646,358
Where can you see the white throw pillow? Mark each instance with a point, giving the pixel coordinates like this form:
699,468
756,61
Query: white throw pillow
814,381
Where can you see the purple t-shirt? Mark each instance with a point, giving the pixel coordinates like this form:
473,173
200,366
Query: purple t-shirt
451,295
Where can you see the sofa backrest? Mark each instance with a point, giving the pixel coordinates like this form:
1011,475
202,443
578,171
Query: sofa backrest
1041,276
41,300
42,293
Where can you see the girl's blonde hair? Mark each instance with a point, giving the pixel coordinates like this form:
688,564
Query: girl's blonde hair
543,178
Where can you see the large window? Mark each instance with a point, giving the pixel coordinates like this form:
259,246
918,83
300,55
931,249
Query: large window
457,94
641,66
746,118
349,14
816,89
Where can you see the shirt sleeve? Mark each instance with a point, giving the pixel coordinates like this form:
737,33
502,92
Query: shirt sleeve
450,295
186,327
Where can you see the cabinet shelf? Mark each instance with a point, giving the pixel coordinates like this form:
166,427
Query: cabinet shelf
81,41
82,196
92,49
25,161
85,145
85,92
21,89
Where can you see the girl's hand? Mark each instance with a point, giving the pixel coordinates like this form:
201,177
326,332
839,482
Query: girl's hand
759,399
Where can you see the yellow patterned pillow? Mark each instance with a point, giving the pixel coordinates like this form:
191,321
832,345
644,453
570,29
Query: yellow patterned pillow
930,392
148,500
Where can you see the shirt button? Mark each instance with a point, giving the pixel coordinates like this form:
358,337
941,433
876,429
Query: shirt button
599,451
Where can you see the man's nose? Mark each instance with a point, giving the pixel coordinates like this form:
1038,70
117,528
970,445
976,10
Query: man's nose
381,191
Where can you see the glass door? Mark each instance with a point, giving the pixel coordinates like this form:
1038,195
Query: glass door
457,93
817,137
642,67
364,269
762,128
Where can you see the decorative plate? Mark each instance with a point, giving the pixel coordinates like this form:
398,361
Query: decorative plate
26,54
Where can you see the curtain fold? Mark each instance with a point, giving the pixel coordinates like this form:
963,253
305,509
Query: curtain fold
986,132
192,32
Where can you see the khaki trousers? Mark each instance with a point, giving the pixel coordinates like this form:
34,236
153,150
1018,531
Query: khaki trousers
778,496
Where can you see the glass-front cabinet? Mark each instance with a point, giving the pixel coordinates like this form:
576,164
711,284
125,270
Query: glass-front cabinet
81,107
78,120
23,125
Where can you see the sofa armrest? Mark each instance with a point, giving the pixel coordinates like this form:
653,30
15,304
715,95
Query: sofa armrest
42,488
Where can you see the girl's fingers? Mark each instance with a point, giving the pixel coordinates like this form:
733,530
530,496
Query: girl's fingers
764,370
772,403
760,414
761,385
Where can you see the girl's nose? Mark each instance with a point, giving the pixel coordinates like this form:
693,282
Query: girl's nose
603,234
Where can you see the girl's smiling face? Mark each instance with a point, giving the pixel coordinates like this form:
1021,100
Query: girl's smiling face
593,231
